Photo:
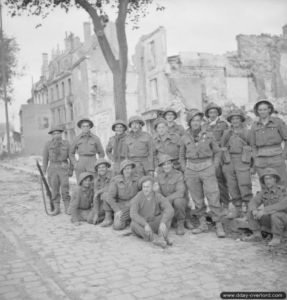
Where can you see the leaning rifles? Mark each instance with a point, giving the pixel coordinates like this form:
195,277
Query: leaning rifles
47,188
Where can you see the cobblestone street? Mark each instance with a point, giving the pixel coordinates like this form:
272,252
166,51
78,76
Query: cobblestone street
44,257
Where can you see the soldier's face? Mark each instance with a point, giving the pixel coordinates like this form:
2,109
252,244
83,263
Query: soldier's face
236,121
119,129
57,135
102,169
127,171
135,126
169,116
195,123
213,114
147,188
161,129
87,182
263,110
269,180
167,166
85,127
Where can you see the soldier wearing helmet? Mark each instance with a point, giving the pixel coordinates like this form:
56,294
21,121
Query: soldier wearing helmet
216,125
116,149
267,137
172,127
88,146
237,161
272,216
140,147
199,156
57,163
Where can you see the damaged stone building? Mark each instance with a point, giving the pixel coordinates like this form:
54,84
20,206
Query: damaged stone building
77,83
191,80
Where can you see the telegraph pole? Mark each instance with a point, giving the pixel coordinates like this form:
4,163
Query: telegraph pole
4,80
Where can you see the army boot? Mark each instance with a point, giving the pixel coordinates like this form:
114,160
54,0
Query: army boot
188,224
108,220
67,207
255,237
202,226
180,227
56,210
219,230
276,240
159,241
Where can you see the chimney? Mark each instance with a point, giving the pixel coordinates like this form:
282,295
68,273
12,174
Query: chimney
284,28
44,64
87,31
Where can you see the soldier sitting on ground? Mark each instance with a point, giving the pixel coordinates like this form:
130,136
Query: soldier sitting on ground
82,200
171,186
273,214
151,214
121,190
101,186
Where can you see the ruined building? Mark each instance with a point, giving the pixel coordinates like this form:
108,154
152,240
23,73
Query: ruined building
191,80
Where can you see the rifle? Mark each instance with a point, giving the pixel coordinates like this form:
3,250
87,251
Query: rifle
47,188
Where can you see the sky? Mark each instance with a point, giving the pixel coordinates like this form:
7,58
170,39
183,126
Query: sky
191,25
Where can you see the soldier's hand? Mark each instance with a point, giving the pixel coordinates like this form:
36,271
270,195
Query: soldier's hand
118,215
260,214
148,231
162,229
95,219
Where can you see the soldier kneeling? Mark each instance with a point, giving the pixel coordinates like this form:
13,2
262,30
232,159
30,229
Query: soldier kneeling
82,200
151,214
273,214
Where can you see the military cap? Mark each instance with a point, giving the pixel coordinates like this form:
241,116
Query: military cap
169,109
136,119
145,179
164,158
102,161
85,175
191,114
56,128
126,163
272,172
263,101
119,122
210,106
159,121
236,112
85,120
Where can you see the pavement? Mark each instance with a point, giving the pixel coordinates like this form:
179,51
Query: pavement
43,257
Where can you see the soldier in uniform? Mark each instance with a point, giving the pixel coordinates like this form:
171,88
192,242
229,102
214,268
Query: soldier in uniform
140,147
101,185
217,126
151,214
121,190
199,157
170,115
87,145
267,135
57,163
82,200
172,186
237,161
273,214
116,148
166,143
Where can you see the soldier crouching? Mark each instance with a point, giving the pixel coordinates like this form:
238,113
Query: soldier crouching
82,200
121,190
151,214
273,214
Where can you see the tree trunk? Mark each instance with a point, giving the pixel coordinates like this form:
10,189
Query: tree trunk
119,79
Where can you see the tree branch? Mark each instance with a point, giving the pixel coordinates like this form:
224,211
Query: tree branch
121,35
99,31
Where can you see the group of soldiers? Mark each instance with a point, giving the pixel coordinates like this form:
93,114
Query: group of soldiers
154,182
